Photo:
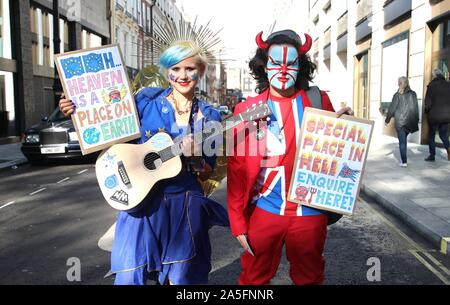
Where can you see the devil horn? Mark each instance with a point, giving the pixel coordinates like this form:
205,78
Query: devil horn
260,42
303,49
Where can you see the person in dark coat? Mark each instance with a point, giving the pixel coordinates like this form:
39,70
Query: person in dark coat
405,110
437,108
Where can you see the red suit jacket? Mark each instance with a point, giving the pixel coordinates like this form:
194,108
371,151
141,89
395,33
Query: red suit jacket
243,170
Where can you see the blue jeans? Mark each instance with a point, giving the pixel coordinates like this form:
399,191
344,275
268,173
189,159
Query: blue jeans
402,140
443,134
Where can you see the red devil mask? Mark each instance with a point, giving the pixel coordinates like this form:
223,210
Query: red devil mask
291,35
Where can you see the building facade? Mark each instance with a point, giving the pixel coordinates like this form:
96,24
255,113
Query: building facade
127,31
27,47
134,22
363,47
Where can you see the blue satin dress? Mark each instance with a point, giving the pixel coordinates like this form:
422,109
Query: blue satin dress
167,239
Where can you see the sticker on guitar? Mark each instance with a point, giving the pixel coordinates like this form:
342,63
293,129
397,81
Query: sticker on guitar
123,174
120,197
109,161
111,182
160,141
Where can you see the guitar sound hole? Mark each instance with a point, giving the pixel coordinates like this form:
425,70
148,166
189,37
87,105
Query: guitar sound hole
149,160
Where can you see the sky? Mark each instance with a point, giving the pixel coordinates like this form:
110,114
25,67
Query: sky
241,20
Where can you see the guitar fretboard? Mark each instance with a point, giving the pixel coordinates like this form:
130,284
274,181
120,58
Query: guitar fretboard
201,136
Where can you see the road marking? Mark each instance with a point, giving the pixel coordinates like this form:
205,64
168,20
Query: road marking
38,191
9,203
61,181
437,263
431,268
417,249
83,171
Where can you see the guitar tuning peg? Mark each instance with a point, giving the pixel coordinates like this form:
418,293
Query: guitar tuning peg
254,123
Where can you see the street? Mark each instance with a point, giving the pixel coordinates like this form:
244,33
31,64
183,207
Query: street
50,214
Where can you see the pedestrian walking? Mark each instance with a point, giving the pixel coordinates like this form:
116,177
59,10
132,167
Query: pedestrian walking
437,108
404,108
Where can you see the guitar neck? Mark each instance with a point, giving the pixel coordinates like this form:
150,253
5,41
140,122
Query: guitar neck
200,136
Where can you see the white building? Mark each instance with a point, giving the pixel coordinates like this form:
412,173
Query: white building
126,31
362,47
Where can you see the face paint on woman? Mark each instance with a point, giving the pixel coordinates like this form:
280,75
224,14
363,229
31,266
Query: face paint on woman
178,74
282,66
184,76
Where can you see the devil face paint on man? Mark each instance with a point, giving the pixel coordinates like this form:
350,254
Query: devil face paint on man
282,66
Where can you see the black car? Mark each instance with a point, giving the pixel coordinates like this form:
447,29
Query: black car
53,138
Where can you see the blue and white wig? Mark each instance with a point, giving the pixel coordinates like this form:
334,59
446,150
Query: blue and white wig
178,52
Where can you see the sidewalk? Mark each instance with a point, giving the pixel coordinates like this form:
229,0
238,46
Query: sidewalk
419,195
11,155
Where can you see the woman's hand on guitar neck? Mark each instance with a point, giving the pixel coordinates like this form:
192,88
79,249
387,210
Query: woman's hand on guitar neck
66,106
194,159
189,148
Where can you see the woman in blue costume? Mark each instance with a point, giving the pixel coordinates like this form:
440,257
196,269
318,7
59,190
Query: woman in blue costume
168,236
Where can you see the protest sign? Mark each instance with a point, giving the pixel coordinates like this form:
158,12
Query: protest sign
330,160
95,80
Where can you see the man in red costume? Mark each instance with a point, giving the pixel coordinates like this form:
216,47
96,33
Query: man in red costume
260,168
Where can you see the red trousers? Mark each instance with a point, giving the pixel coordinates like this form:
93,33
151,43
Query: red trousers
304,238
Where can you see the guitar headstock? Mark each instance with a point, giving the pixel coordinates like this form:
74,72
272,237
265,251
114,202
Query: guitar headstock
256,112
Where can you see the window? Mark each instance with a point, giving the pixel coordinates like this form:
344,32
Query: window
41,26
125,48
90,40
363,10
1,29
327,37
342,24
441,36
148,19
441,47
316,20
394,65
5,30
327,7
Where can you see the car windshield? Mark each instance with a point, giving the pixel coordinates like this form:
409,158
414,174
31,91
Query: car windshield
57,116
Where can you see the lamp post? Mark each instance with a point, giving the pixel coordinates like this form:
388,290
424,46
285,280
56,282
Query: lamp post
57,88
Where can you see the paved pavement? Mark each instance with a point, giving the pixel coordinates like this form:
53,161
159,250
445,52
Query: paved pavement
418,195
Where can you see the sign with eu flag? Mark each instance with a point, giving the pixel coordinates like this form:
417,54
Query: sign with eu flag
95,80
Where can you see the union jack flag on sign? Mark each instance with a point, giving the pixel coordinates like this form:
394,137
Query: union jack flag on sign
347,172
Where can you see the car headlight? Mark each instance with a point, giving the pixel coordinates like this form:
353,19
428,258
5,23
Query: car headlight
32,138
73,136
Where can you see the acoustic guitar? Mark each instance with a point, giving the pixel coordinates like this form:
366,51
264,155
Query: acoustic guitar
126,173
